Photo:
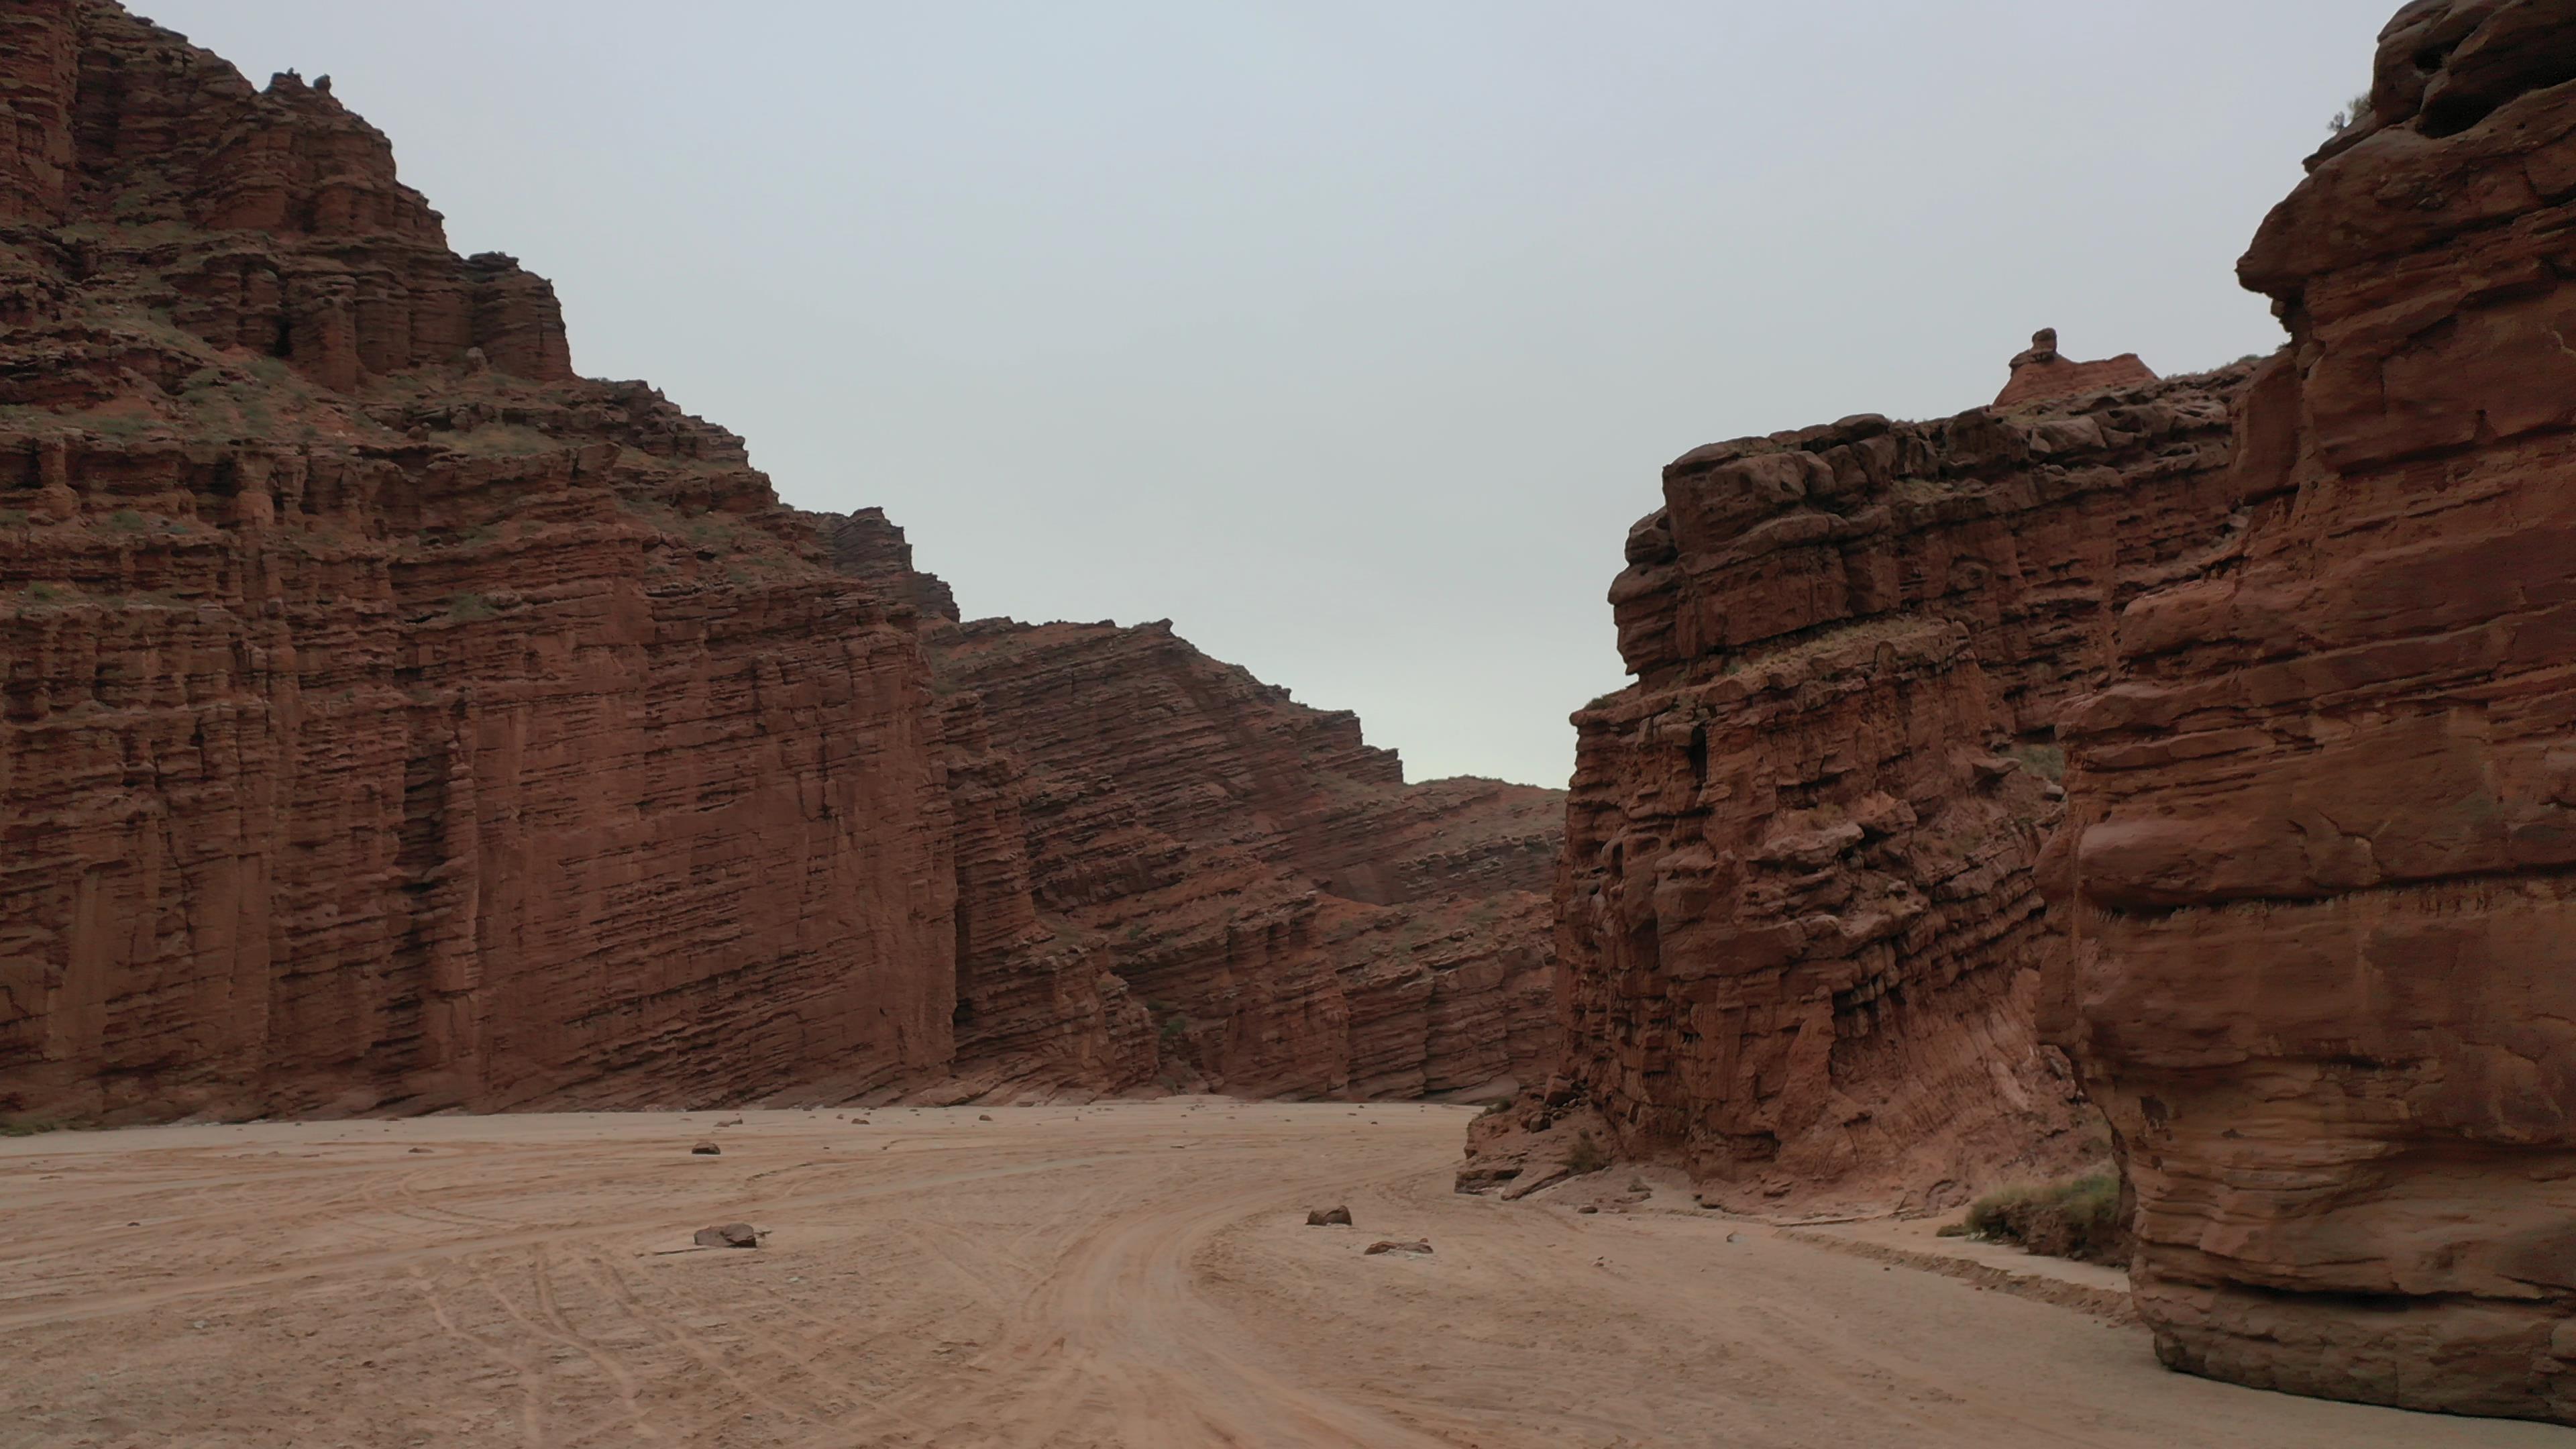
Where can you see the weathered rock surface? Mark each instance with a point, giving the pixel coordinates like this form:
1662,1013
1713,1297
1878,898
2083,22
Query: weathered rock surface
390,719
1285,916
2043,372
1797,919
2318,871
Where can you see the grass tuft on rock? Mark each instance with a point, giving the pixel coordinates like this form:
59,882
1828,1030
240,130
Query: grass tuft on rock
1587,1156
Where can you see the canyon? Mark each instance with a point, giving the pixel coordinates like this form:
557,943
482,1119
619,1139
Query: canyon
395,720
2166,772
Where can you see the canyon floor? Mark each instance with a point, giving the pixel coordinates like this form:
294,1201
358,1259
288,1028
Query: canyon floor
1135,1274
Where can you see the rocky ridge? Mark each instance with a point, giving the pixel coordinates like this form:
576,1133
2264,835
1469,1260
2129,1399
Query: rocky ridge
1294,919
393,719
1797,917
2200,742
2044,372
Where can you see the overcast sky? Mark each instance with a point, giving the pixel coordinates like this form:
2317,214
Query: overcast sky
1347,334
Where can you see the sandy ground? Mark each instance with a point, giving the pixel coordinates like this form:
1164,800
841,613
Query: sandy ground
1135,1275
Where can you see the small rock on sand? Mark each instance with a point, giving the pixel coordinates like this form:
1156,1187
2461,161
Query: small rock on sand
729,1235
420,1149
706,1149
1328,1217
1390,1245
983,1116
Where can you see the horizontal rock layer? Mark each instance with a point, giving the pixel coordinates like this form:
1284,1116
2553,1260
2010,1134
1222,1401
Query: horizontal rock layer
2318,873
1296,920
391,720
1797,916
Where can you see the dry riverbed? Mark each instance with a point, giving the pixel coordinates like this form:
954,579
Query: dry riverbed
1134,1275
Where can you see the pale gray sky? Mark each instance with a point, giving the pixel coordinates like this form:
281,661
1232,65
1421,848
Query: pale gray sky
1347,334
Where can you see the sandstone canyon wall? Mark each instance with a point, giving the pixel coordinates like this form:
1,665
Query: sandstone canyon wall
1797,920
2323,975
1293,917
393,719
2297,635
390,716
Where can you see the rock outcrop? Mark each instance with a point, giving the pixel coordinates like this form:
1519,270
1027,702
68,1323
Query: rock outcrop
2318,875
1797,917
1290,916
2043,372
391,719
1297,919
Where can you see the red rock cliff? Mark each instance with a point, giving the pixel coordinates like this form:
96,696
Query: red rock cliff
2319,870
1797,924
1298,920
390,718
1290,916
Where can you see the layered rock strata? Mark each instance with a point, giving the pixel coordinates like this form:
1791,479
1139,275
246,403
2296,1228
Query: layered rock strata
390,719
1797,921
1297,919
2318,875
1290,916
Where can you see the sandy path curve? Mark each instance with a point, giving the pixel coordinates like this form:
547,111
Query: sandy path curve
1137,1275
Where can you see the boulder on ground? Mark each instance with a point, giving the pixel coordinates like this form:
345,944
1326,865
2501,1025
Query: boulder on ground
1390,1245
707,1149
729,1235
1328,1217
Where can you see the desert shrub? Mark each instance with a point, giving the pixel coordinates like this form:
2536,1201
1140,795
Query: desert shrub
1587,1155
2078,1218
2046,761
2354,112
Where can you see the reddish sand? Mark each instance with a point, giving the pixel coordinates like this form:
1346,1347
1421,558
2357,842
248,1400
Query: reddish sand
1132,1275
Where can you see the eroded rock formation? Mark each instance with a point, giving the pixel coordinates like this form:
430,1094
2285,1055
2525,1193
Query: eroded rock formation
2044,372
391,719
1797,916
1293,917
1298,920
2318,873
389,716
